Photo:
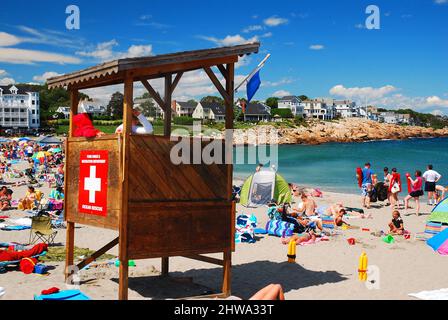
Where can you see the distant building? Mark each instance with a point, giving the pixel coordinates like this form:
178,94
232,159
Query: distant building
209,111
388,117
95,108
318,109
65,111
345,109
256,112
19,107
183,109
293,103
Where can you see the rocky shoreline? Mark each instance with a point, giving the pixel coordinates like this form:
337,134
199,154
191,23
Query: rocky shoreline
342,131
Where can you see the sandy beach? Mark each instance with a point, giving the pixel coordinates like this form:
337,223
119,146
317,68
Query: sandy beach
325,270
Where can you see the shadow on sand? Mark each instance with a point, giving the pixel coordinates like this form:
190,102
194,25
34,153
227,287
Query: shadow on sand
247,279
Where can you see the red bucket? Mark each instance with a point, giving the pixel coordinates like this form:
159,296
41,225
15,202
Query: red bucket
351,241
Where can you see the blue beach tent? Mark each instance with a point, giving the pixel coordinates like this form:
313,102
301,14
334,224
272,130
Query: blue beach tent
440,212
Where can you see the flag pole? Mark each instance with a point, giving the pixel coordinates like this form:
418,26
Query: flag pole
258,68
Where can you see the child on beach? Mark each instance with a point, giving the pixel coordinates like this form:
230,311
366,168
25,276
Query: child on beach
396,226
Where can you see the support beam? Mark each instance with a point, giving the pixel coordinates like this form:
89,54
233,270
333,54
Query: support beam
223,71
98,254
168,111
227,274
205,259
154,94
165,266
123,227
217,84
70,235
176,81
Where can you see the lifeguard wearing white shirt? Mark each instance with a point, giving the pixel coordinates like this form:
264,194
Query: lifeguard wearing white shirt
431,178
138,117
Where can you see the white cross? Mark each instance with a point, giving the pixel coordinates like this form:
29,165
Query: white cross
92,184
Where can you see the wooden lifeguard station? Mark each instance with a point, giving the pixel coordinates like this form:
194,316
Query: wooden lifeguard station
128,183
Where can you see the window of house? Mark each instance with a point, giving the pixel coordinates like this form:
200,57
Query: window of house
22,101
34,121
34,111
33,102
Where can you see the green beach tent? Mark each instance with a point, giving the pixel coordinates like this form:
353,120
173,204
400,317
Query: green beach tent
264,186
440,212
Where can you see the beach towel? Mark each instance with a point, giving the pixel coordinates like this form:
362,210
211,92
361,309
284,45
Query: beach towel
14,228
64,295
245,229
441,294
280,228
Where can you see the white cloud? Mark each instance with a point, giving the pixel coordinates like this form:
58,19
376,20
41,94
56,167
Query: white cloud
281,82
361,93
230,40
3,73
105,51
47,75
253,28
275,21
7,39
437,112
281,93
7,81
440,1
51,37
317,47
23,56
436,101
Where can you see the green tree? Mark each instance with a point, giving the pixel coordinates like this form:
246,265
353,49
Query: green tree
272,102
213,99
115,106
284,113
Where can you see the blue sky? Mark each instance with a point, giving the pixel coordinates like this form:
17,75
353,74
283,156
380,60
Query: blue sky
319,48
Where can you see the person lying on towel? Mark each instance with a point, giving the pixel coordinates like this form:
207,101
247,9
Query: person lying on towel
6,255
137,117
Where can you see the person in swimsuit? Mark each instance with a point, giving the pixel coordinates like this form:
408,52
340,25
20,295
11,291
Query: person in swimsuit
416,191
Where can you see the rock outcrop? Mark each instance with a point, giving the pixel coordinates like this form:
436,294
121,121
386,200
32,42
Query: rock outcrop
348,130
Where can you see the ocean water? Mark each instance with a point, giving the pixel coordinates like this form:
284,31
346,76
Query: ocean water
333,166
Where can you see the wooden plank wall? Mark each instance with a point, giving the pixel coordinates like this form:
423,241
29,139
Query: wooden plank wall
153,177
112,144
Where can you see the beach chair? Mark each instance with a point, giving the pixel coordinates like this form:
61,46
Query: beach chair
42,230
431,229
59,222
328,225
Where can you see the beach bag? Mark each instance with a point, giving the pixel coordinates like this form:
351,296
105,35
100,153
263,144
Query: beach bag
395,188
280,228
54,205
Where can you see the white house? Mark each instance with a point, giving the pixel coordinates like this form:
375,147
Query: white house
318,109
96,108
345,108
65,111
183,109
293,103
388,117
209,111
19,107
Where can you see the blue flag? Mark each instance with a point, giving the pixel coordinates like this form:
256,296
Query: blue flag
253,85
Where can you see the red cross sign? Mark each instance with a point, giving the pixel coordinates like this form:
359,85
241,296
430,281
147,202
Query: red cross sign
93,175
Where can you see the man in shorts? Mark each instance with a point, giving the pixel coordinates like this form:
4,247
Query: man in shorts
368,181
431,178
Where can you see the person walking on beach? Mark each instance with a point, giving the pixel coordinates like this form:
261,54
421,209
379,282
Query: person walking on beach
395,189
431,178
387,180
416,191
368,181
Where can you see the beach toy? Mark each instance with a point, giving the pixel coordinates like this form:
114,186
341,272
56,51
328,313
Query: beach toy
131,263
292,247
345,227
359,176
366,230
362,269
27,265
351,241
408,175
389,239
40,269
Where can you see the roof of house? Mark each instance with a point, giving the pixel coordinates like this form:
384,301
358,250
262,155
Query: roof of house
288,98
187,105
115,72
22,89
217,109
257,109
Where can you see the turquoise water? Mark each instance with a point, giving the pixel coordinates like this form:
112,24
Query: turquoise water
332,166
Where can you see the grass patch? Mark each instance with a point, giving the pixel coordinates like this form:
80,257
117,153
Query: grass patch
57,254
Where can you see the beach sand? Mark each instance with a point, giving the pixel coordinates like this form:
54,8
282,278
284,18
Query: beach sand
325,270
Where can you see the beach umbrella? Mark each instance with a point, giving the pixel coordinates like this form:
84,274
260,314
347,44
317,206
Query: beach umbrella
440,212
4,140
40,155
23,143
24,139
55,150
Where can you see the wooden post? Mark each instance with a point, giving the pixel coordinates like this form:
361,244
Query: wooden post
167,102
165,266
123,241
230,85
70,235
